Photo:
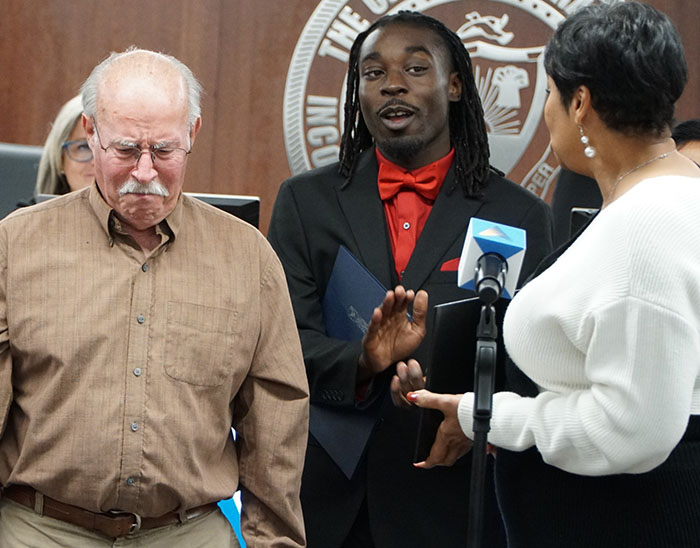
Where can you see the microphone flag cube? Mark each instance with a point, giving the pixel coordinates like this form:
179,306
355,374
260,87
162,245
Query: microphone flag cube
490,237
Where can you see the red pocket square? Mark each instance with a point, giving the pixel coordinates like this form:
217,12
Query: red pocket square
450,266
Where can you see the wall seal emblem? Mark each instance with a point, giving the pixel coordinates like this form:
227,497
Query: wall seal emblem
506,41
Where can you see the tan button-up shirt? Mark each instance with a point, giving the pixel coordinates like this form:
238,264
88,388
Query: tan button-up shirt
121,374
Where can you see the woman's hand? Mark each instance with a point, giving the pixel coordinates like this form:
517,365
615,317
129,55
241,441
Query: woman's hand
451,442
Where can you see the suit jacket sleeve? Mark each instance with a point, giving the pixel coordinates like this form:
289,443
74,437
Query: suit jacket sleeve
307,252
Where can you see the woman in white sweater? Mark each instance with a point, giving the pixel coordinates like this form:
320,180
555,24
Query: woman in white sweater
605,448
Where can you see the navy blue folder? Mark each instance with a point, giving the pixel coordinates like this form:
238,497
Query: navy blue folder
351,295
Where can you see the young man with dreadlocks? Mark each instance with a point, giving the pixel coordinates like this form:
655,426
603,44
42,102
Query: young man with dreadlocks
414,168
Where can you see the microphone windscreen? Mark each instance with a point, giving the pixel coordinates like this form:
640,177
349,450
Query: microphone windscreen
490,237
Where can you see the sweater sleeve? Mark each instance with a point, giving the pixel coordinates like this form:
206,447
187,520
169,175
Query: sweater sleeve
642,364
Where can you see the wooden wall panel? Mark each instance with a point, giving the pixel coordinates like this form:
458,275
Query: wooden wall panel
684,15
239,49
251,156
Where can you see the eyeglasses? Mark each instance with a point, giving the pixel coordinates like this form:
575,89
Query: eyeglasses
78,150
162,155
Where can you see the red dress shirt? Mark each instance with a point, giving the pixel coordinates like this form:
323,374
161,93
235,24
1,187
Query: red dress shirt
408,198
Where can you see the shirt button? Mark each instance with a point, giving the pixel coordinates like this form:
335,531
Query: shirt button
406,225
140,318
134,426
144,267
137,371
130,481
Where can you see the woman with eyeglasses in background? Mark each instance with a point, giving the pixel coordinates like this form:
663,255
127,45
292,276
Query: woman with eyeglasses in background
66,163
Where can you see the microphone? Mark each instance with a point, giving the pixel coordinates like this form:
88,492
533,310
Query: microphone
491,259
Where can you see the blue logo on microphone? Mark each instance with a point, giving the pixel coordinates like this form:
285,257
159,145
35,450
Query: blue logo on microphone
490,237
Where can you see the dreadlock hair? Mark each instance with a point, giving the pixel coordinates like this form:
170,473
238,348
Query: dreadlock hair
466,118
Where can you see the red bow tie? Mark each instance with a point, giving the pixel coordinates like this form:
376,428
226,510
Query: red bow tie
393,179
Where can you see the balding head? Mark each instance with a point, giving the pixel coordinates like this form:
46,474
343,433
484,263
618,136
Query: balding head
163,72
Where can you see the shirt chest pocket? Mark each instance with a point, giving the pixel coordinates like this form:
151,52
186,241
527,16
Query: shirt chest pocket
199,343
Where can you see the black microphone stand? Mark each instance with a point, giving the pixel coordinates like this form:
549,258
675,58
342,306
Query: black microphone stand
489,282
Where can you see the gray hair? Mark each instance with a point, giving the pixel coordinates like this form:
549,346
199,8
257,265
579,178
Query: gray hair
50,177
89,89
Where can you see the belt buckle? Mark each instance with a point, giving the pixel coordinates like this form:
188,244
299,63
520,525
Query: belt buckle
135,526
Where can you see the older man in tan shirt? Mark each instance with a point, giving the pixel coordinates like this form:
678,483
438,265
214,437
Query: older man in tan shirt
137,326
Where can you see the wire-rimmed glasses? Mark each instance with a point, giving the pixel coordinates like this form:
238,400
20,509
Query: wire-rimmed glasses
162,155
78,150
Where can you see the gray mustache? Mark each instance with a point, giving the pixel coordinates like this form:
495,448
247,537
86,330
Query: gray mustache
133,187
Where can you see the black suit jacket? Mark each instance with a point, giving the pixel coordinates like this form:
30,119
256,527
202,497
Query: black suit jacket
314,214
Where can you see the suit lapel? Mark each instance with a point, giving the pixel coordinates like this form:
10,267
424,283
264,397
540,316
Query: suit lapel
364,213
448,221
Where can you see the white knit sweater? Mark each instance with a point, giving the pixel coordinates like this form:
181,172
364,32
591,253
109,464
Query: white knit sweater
611,335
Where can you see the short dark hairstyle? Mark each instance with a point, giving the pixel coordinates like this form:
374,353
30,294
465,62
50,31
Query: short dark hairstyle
687,131
466,120
629,56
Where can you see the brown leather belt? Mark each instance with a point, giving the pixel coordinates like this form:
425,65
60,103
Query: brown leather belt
113,525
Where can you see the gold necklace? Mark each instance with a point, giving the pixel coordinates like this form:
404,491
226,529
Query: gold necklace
635,168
